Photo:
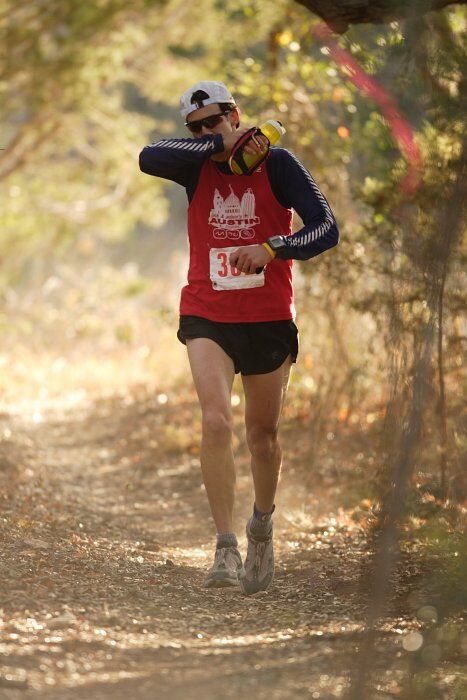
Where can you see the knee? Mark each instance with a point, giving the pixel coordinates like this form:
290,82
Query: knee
262,442
217,425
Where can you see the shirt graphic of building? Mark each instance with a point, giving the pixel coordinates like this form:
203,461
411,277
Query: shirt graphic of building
232,217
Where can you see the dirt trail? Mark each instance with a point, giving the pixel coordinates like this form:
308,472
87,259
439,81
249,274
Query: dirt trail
106,538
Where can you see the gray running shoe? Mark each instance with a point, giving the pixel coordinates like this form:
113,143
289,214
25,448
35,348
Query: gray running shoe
226,570
259,562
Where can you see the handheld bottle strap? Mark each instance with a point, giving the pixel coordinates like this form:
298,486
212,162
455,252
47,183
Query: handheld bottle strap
237,157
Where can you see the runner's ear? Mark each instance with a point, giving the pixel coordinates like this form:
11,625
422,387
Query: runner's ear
236,114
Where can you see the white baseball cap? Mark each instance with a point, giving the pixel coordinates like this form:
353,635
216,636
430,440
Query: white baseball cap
217,92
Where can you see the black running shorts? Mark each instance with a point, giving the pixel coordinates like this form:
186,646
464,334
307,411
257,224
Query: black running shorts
255,348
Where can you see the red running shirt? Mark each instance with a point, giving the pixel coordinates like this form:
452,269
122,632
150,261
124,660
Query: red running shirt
226,212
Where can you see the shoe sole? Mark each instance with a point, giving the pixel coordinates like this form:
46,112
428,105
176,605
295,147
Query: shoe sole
254,587
221,583
223,580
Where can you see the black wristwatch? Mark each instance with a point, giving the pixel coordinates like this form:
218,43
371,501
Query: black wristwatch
278,244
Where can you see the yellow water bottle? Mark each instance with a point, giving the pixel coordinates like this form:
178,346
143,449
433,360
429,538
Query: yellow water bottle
242,163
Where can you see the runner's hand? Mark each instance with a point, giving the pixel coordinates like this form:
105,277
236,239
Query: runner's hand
258,144
249,258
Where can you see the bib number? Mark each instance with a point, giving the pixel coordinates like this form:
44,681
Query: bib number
224,276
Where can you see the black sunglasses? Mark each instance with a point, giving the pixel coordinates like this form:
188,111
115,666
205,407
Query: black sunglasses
209,122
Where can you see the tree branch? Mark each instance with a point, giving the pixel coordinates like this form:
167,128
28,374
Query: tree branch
339,14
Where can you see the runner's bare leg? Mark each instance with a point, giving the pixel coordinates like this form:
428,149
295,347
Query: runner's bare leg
213,373
264,399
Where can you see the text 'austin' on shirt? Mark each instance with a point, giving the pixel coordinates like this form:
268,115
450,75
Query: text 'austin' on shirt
226,212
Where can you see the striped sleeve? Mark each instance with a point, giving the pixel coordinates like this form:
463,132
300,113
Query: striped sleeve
296,189
179,159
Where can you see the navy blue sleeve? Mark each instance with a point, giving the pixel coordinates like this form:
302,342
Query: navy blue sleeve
180,160
294,188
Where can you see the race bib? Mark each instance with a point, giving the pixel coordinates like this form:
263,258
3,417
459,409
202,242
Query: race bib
224,276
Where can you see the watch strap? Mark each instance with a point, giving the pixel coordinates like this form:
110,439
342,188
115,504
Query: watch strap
271,252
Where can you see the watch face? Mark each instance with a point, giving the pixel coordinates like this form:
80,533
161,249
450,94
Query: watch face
276,243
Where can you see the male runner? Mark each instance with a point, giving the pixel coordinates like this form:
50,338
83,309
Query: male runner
234,318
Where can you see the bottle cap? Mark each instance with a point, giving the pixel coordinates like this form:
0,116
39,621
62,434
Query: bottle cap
273,130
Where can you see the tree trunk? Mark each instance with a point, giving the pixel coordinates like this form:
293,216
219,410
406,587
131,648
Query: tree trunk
442,392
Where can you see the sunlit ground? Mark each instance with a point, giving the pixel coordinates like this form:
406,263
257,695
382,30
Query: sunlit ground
43,379
67,342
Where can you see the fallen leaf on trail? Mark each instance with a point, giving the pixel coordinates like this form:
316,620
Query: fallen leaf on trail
37,544
62,621
8,681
